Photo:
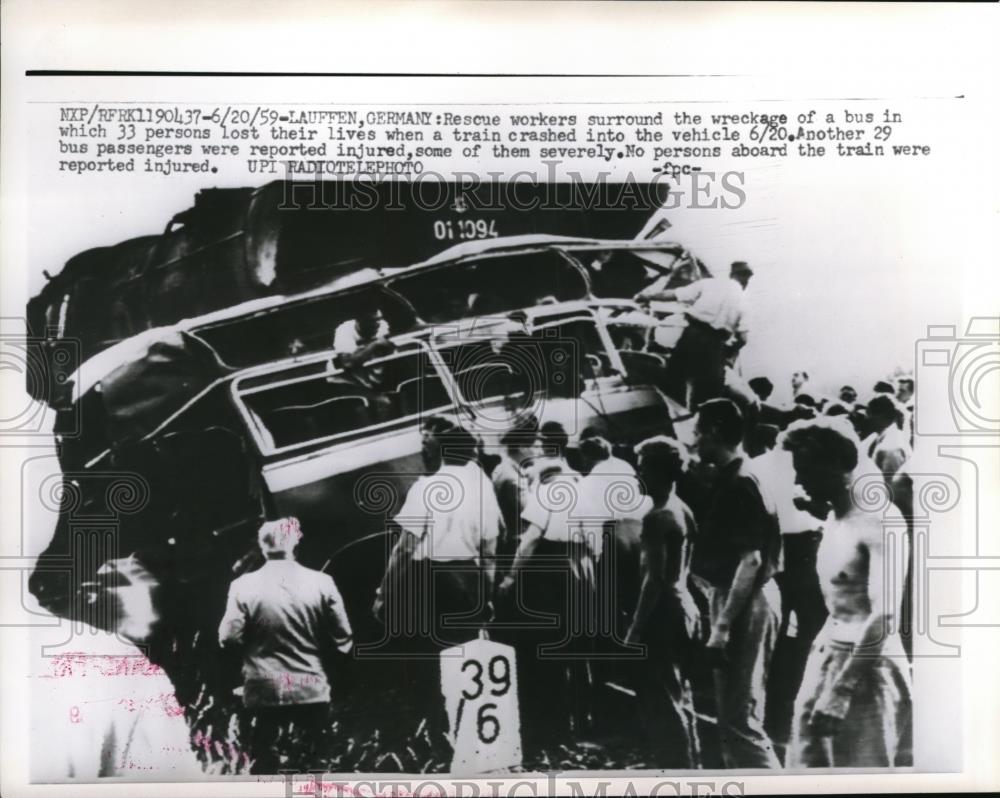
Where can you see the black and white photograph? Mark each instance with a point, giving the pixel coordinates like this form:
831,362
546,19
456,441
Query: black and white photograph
542,440
397,429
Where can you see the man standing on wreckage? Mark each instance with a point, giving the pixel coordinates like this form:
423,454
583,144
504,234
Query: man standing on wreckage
716,329
854,707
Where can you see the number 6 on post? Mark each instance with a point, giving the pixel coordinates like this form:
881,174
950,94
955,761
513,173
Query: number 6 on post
479,685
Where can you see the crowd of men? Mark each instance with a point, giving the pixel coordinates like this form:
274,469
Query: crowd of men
731,577
740,554
642,569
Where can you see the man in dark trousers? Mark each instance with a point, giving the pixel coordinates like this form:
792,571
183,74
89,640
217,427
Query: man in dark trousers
555,563
666,618
437,589
738,552
446,552
285,617
510,479
716,326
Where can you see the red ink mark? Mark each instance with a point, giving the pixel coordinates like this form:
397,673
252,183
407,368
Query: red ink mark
74,715
171,706
120,668
131,764
62,665
166,701
315,787
289,527
76,663
290,680
210,746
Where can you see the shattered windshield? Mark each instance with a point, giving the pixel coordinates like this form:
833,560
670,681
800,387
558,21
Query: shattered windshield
625,272
518,368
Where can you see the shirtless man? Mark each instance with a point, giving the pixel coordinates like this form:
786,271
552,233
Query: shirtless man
666,617
854,706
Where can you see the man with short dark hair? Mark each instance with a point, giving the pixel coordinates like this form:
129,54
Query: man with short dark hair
510,478
806,399
666,618
836,408
437,589
356,341
854,707
904,395
716,324
284,616
554,441
762,387
904,390
887,446
554,659
802,608
848,395
762,439
449,523
596,451
610,507
738,552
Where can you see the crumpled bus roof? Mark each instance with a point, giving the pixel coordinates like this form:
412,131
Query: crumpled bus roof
136,348
470,248
145,379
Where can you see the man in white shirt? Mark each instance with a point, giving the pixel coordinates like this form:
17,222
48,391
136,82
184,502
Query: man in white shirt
438,585
555,565
610,508
802,609
599,456
552,501
715,318
356,341
888,446
510,478
450,523
904,395
284,616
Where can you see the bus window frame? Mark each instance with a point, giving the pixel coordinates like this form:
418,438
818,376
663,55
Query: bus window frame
261,435
539,322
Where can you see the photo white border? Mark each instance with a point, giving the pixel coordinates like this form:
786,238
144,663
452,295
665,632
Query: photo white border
778,49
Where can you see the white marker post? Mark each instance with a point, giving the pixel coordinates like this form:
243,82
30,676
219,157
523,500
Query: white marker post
479,685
